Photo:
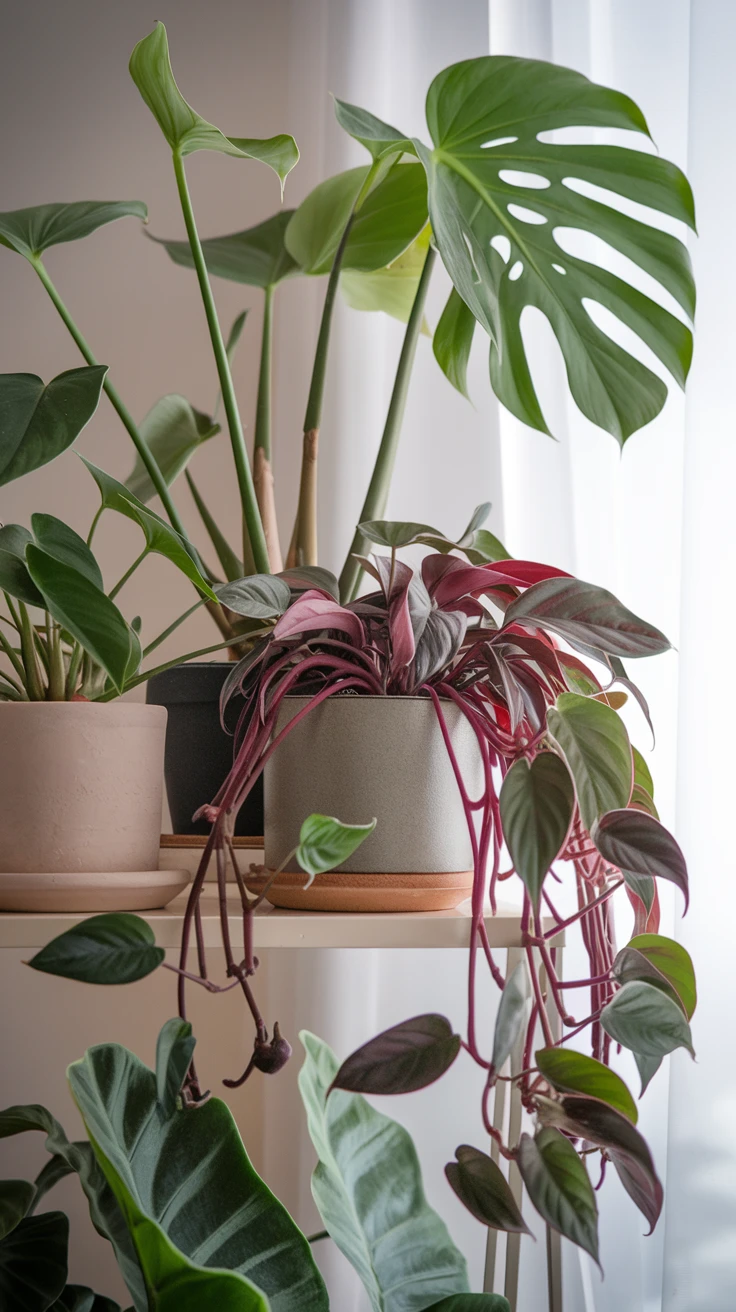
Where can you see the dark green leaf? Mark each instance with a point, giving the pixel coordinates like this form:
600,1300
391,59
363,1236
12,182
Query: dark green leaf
595,744
14,576
481,1187
31,231
174,1050
585,614
513,1013
484,547
574,1072
646,1020
16,1197
325,843
61,542
378,137
259,596
638,844
86,612
256,257
407,1057
78,1298
115,948
537,803
55,1169
453,338
38,422
559,1188
472,1303
33,1263
172,430
478,517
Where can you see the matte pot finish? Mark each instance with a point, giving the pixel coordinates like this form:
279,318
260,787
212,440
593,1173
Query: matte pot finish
357,758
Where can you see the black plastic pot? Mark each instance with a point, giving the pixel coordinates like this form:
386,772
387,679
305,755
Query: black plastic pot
199,753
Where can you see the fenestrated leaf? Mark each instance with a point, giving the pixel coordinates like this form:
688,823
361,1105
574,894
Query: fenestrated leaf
391,290
260,596
301,578
204,1208
638,844
407,1057
574,1072
537,802
38,422
472,1303
378,137
658,956
174,1048
78,1298
502,198
587,615
114,948
453,338
33,1263
481,1186
368,1187
595,744
257,256
172,430
31,231
61,542
14,576
16,1197
646,1020
325,843
512,1016
558,1185
439,643
84,611
160,536
185,129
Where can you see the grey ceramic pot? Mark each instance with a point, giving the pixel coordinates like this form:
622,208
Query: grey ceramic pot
362,757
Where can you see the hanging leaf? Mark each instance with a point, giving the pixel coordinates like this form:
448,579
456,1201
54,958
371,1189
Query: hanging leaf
391,290
574,1072
31,231
38,422
452,341
537,802
16,1197
640,845
184,129
115,948
172,430
513,1013
646,1020
85,612
407,1057
325,843
257,257
174,1048
503,197
483,1189
368,1187
378,137
559,1188
643,887
33,1263
61,542
585,614
657,958
259,596
595,744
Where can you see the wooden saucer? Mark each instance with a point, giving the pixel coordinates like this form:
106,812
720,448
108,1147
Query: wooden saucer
344,891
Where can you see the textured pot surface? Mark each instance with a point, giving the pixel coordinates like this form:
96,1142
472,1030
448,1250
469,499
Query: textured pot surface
199,753
81,786
360,757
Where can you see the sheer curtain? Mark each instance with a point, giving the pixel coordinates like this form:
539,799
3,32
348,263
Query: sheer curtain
651,524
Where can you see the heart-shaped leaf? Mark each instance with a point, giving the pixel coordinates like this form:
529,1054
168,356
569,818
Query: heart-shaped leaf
260,596
481,1186
368,1187
537,802
391,290
38,422
393,533
657,958
407,1057
587,615
78,1298
185,129
257,257
61,542
452,341
325,843
378,137
595,744
31,231
503,198
574,1072
115,948
512,1016
33,1263
174,1048
638,844
85,612
172,430
16,1197
646,1020
558,1185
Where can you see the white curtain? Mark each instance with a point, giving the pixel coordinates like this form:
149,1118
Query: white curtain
652,524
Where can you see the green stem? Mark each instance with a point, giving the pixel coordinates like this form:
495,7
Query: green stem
262,433
32,673
93,525
57,675
378,488
235,641
171,629
8,691
72,677
15,660
131,570
253,529
231,565
141,447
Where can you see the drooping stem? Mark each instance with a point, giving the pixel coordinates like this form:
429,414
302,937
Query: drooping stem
262,471
252,526
378,488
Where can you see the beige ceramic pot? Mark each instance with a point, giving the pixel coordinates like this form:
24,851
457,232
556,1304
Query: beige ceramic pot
80,807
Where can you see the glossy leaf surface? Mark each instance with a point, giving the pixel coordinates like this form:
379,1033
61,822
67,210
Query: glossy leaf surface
585,614
655,957
325,842
537,803
16,1197
644,1019
558,1185
638,844
14,576
61,542
575,1072
115,948
38,421
595,744
402,1059
31,231
260,596
481,1186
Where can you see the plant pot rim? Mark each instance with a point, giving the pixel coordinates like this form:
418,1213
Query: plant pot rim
115,712
385,698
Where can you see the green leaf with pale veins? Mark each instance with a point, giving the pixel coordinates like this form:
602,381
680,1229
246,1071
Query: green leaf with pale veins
558,1185
39,421
172,430
595,744
31,231
646,1020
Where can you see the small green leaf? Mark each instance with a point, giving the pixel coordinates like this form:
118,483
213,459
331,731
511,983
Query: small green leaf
16,1197
257,256
453,338
115,948
85,612
174,1049
407,1057
644,1019
61,542
259,596
325,842
33,1263
38,422
14,576
595,744
394,533
513,1013
391,290
31,231
574,1072
379,138
559,1188
172,430
483,1189
661,961
537,803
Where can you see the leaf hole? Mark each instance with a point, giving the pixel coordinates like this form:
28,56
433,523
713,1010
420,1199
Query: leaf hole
516,271
519,178
559,269
498,141
524,215
502,244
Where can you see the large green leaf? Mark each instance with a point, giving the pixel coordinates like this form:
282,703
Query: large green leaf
192,1200
657,958
646,1020
38,422
61,542
368,1187
114,948
378,137
502,196
574,1072
33,1263
257,596
482,1187
31,231
595,744
391,290
588,617
172,430
160,536
257,257
185,129
85,612
558,1185
537,803
402,1059
16,1197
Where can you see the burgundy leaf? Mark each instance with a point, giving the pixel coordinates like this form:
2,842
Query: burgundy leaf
303,578
585,614
402,1059
439,643
481,1186
313,611
640,845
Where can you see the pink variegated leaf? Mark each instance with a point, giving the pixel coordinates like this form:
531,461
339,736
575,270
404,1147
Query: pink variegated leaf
314,612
